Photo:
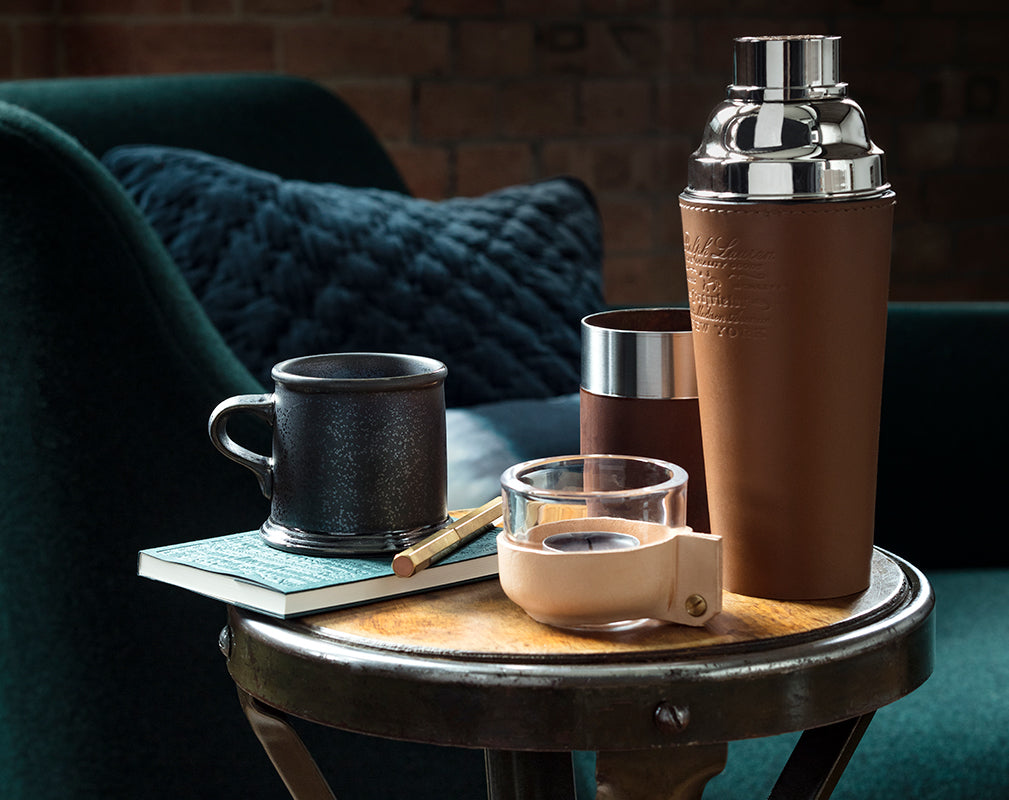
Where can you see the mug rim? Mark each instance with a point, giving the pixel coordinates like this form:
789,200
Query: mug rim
414,372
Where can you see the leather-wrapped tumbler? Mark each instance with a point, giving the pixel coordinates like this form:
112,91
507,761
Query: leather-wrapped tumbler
639,393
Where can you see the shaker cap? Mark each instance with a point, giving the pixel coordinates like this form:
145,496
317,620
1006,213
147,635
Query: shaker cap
787,130
787,68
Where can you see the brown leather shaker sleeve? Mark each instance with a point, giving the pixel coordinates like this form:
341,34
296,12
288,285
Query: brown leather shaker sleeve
788,307
665,428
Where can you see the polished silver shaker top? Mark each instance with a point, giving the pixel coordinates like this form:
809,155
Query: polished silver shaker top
787,130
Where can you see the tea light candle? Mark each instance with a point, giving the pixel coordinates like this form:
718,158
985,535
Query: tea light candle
583,541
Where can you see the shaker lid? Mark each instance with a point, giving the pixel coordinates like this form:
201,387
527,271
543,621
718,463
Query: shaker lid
787,129
786,68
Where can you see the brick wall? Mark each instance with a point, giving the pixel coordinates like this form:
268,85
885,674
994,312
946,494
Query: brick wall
469,95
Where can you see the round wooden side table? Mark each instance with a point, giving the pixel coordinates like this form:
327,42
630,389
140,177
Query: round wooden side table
464,666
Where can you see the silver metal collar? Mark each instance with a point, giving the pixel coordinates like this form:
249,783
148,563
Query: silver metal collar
641,352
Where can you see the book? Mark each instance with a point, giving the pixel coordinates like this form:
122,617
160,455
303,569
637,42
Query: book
241,569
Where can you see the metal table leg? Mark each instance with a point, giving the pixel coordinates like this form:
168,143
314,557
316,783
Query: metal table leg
819,758
288,753
513,775
673,773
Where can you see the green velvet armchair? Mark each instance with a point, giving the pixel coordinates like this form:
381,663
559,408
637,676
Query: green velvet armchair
112,686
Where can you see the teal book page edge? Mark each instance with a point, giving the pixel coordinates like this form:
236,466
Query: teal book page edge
246,557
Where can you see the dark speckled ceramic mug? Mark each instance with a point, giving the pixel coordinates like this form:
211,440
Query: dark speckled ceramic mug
359,464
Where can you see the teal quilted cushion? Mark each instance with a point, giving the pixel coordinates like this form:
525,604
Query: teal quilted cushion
494,286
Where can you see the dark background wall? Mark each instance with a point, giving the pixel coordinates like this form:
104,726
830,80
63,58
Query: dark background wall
470,95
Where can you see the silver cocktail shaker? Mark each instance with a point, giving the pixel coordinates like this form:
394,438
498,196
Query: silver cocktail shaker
786,225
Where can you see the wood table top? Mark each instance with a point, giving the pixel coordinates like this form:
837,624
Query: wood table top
758,668
477,621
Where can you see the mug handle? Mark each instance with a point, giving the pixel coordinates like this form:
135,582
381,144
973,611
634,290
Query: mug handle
262,405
